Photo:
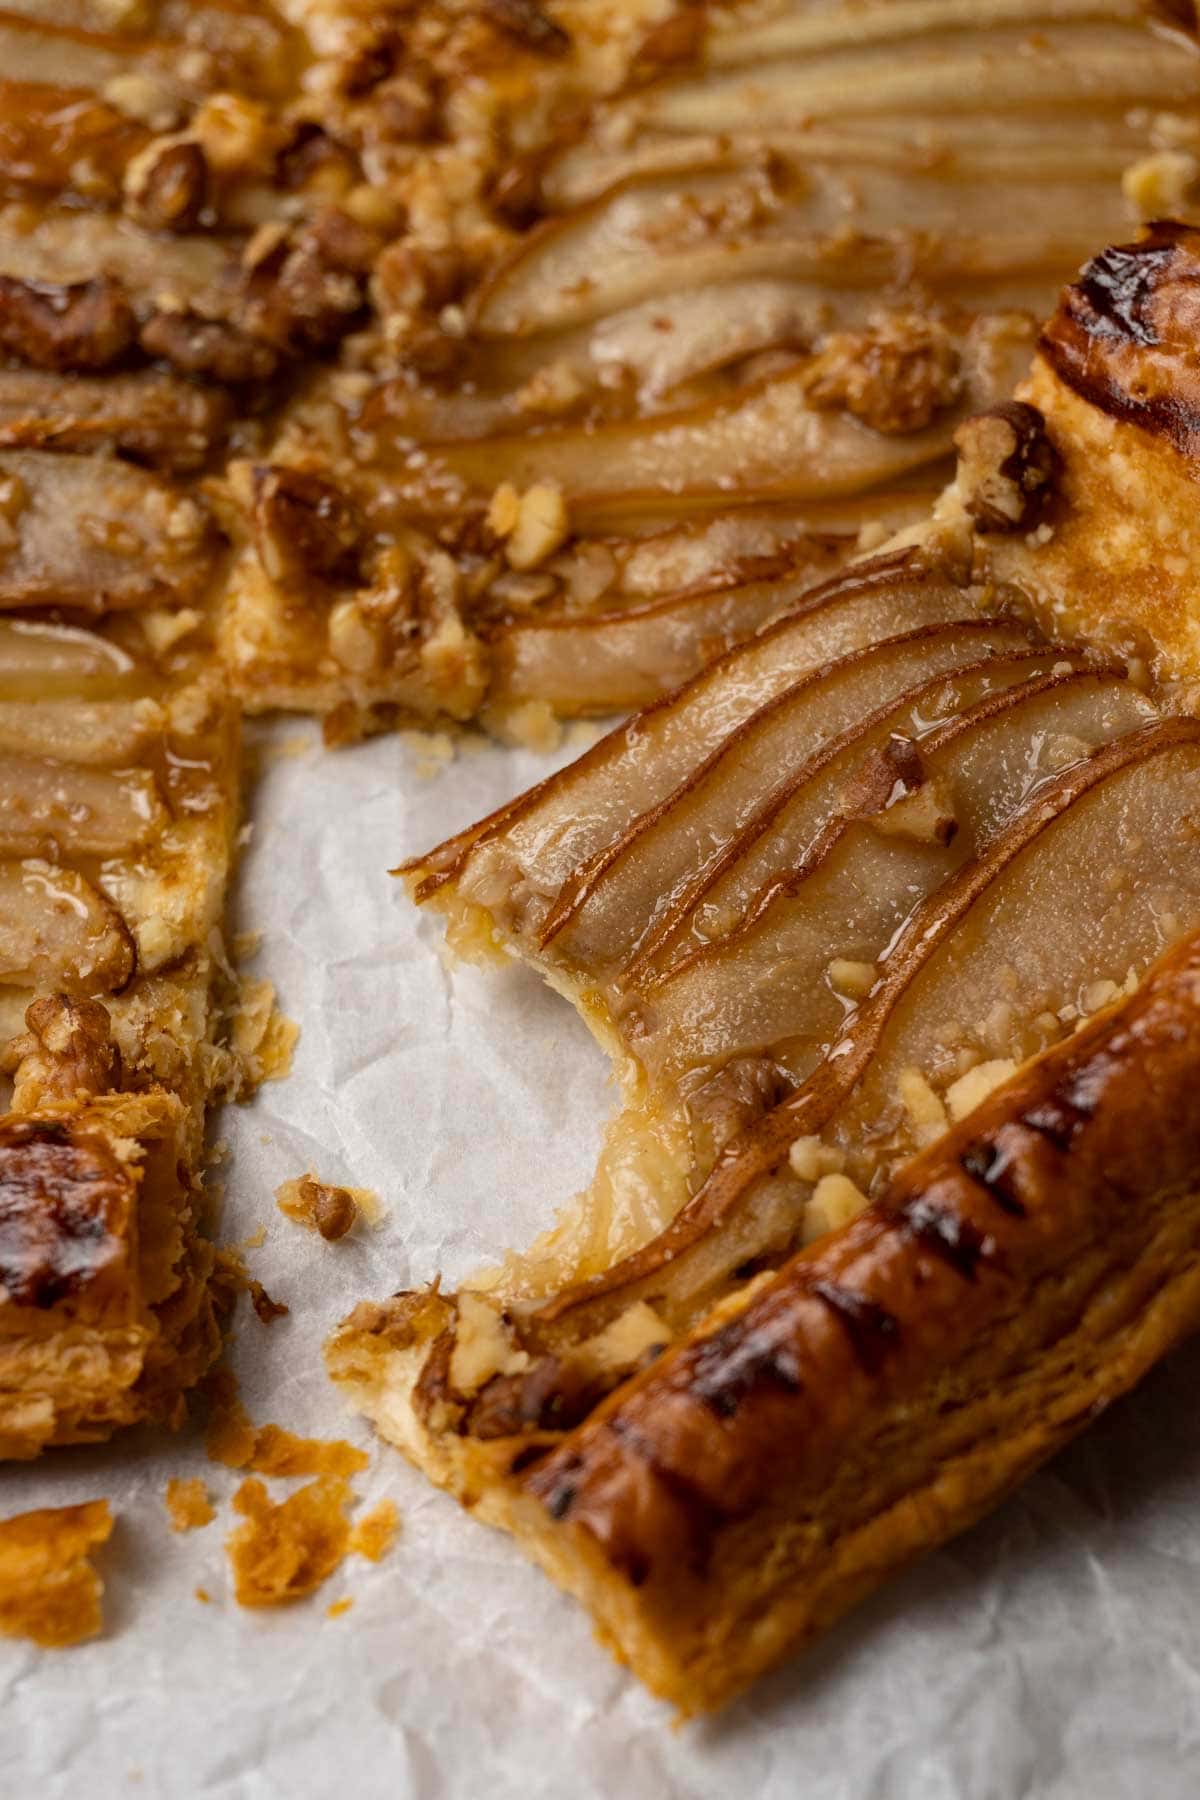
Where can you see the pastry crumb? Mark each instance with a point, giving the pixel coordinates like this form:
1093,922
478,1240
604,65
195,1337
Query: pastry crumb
49,1591
336,1608
268,1310
374,1532
236,1442
188,1504
285,1550
261,1040
203,1595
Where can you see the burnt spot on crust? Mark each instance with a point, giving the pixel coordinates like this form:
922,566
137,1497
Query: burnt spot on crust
64,1200
955,1240
736,1362
872,1330
1124,334
992,1169
83,326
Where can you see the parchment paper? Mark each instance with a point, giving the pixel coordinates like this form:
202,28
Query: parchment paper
1055,1651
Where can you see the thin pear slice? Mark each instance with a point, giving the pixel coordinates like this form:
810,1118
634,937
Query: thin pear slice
661,235
94,533
44,661
766,989
765,439
610,662
601,917
1097,142
46,806
58,931
55,139
99,733
782,831
161,272
803,31
157,418
1088,883
1069,65
517,861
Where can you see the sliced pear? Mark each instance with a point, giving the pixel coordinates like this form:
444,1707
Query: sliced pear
517,861
169,272
57,931
602,916
610,662
93,533
155,417
43,661
1088,883
100,733
1067,65
767,989
811,29
657,236
82,812
765,440
55,139
782,831
1097,142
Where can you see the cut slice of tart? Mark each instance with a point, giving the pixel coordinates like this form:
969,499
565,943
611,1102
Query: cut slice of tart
714,270
118,807
868,915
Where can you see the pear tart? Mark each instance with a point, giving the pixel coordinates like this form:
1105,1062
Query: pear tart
708,318
890,919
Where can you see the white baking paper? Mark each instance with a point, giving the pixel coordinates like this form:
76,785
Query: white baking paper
1055,1651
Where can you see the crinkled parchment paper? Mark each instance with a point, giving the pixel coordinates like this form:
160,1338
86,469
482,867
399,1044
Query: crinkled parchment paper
1055,1651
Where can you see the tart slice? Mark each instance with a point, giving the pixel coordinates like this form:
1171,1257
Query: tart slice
890,922
119,782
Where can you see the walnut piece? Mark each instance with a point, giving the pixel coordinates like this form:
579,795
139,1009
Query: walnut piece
304,526
83,325
67,1052
895,377
166,185
1006,467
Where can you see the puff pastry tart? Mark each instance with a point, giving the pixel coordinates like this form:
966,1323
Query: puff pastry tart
891,921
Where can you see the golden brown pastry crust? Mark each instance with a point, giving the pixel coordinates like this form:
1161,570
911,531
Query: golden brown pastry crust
891,1384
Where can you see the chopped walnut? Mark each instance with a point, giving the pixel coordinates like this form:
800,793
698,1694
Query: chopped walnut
208,347
1006,467
530,24
973,1088
540,527
355,639
1162,186
925,1109
835,1201
924,816
83,326
166,185
896,377
483,1345
809,1159
304,526
67,1052
854,979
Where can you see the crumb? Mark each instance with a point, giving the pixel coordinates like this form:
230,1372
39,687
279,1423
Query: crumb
203,1595
297,743
431,751
374,1532
267,1309
285,1551
188,1504
261,1039
336,1608
331,1211
49,1591
245,944
231,1436
236,1442
256,1240
279,1452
